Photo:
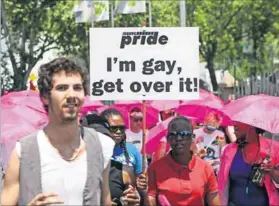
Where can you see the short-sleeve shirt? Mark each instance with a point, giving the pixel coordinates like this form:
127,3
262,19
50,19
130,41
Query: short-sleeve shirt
135,158
181,185
209,142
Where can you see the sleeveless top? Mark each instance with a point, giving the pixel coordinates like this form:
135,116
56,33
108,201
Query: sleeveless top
116,183
37,166
67,179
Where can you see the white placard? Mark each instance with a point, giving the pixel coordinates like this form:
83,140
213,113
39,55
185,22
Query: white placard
144,63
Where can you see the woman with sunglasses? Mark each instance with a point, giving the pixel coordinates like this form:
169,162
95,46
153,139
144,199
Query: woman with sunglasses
180,177
122,180
124,152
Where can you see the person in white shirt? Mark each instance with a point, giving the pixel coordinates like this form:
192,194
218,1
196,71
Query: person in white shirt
134,134
209,140
61,147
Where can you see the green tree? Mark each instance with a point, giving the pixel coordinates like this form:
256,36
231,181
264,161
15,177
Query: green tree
30,29
219,31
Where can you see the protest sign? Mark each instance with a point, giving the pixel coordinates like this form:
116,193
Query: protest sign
144,63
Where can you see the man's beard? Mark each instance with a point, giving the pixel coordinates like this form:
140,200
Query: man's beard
69,119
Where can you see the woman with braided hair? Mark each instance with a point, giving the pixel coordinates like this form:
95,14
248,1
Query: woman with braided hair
124,152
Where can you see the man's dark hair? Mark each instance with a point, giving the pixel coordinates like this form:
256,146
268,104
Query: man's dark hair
46,72
180,122
108,113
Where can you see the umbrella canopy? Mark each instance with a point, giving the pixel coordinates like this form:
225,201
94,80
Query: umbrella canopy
18,121
207,103
260,111
163,105
206,99
90,105
27,98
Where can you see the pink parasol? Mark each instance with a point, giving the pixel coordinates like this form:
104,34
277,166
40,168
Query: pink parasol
157,133
90,105
27,98
206,99
163,105
18,121
260,111
208,102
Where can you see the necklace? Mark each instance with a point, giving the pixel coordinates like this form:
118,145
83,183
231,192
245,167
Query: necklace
79,148
76,155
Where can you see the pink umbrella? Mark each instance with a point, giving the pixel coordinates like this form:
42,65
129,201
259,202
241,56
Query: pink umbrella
27,98
163,105
90,105
18,121
152,114
16,114
260,111
206,99
127,102
208,102
157,133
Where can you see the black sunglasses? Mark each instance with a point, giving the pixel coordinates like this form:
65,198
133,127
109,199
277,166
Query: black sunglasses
184,134
117,128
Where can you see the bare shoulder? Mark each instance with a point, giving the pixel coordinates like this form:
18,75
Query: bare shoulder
13,166
10,191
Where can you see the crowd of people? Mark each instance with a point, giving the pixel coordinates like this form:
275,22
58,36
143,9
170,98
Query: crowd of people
97,160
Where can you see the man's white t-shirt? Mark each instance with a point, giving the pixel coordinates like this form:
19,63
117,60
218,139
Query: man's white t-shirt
209,142
67,179
135,137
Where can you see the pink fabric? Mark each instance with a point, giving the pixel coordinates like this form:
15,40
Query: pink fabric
163,105
18,121
206,99
226,161
200,112
260,111
27,98
90,105
199,108
163,200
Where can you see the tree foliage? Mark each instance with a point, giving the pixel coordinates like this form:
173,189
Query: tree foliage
31,28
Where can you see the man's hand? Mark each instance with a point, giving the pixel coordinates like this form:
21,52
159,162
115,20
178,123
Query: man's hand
131,196
142,183
45,199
